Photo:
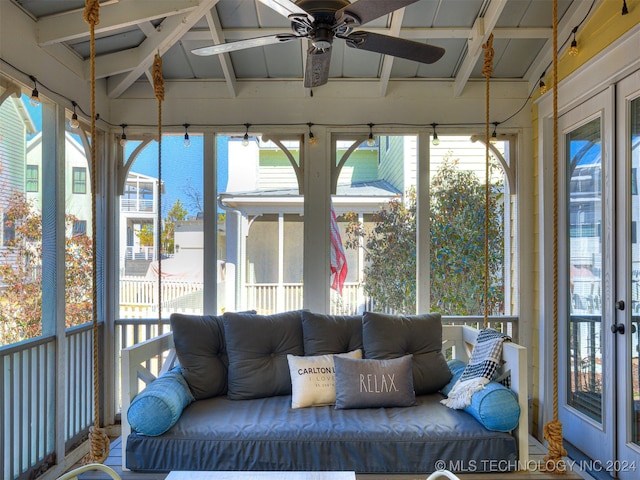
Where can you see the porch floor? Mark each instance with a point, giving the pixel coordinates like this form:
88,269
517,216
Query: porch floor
536,454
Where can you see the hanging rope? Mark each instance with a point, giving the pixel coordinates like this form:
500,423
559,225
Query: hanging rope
98,439
487,70
553,429
158,87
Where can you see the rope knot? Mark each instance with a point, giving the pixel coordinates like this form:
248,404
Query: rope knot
553,434
98,445
158,81
487,66
92,12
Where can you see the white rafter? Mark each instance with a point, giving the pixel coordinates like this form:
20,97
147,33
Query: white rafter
387,60
72,26
483,28
215,27
169,31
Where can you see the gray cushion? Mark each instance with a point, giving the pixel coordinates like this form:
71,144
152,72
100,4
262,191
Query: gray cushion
200,347
257,346
374,383
326,334
392,336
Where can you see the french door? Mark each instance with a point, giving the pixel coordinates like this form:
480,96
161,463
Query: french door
600,279
586,291
625,328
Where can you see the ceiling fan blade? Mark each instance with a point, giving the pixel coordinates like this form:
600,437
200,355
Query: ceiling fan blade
286,8
242,44
317,71
397,47
363,11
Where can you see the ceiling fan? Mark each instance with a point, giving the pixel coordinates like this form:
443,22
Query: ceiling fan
320,21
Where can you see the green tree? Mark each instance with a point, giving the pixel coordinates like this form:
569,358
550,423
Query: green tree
457,215
145,235
21,273
176,214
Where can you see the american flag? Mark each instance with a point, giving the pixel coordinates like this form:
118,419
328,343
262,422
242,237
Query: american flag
338,258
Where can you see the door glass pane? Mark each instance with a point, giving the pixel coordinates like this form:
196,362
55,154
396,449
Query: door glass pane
584,249
635,269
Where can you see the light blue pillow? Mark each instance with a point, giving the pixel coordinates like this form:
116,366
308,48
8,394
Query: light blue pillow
158,407
456,367
495,407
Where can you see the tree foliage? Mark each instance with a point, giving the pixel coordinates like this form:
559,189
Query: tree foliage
21,273
176,214
457,213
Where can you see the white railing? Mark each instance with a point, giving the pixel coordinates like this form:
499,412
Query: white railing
28,397
138,291
140,253
136,205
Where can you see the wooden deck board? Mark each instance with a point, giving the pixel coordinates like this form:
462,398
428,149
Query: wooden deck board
536,454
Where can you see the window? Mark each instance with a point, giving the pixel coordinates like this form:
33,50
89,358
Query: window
8,230
79,180
32,178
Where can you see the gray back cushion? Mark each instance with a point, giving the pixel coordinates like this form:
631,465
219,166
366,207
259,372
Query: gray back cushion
200,347
392,336
327,334
257,347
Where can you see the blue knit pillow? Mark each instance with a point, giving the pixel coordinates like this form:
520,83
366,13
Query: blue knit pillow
159,405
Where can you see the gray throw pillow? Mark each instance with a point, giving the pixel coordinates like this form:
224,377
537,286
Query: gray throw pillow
373,383
200,347
257,347
392,336
326,334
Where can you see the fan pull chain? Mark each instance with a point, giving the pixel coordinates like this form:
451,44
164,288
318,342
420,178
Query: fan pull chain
158,88
487,70
553,430
98,440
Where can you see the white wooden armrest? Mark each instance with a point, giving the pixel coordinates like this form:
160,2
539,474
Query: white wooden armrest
461,339
134,368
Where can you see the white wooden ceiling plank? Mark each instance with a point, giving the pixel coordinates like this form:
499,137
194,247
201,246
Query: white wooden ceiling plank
71,26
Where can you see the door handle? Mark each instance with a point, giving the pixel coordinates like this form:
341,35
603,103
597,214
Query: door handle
617,328
620,304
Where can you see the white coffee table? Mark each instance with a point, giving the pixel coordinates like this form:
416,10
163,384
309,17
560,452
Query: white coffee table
184,475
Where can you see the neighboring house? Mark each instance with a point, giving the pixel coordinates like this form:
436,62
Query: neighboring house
264,221
138,209
77,181
15,125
